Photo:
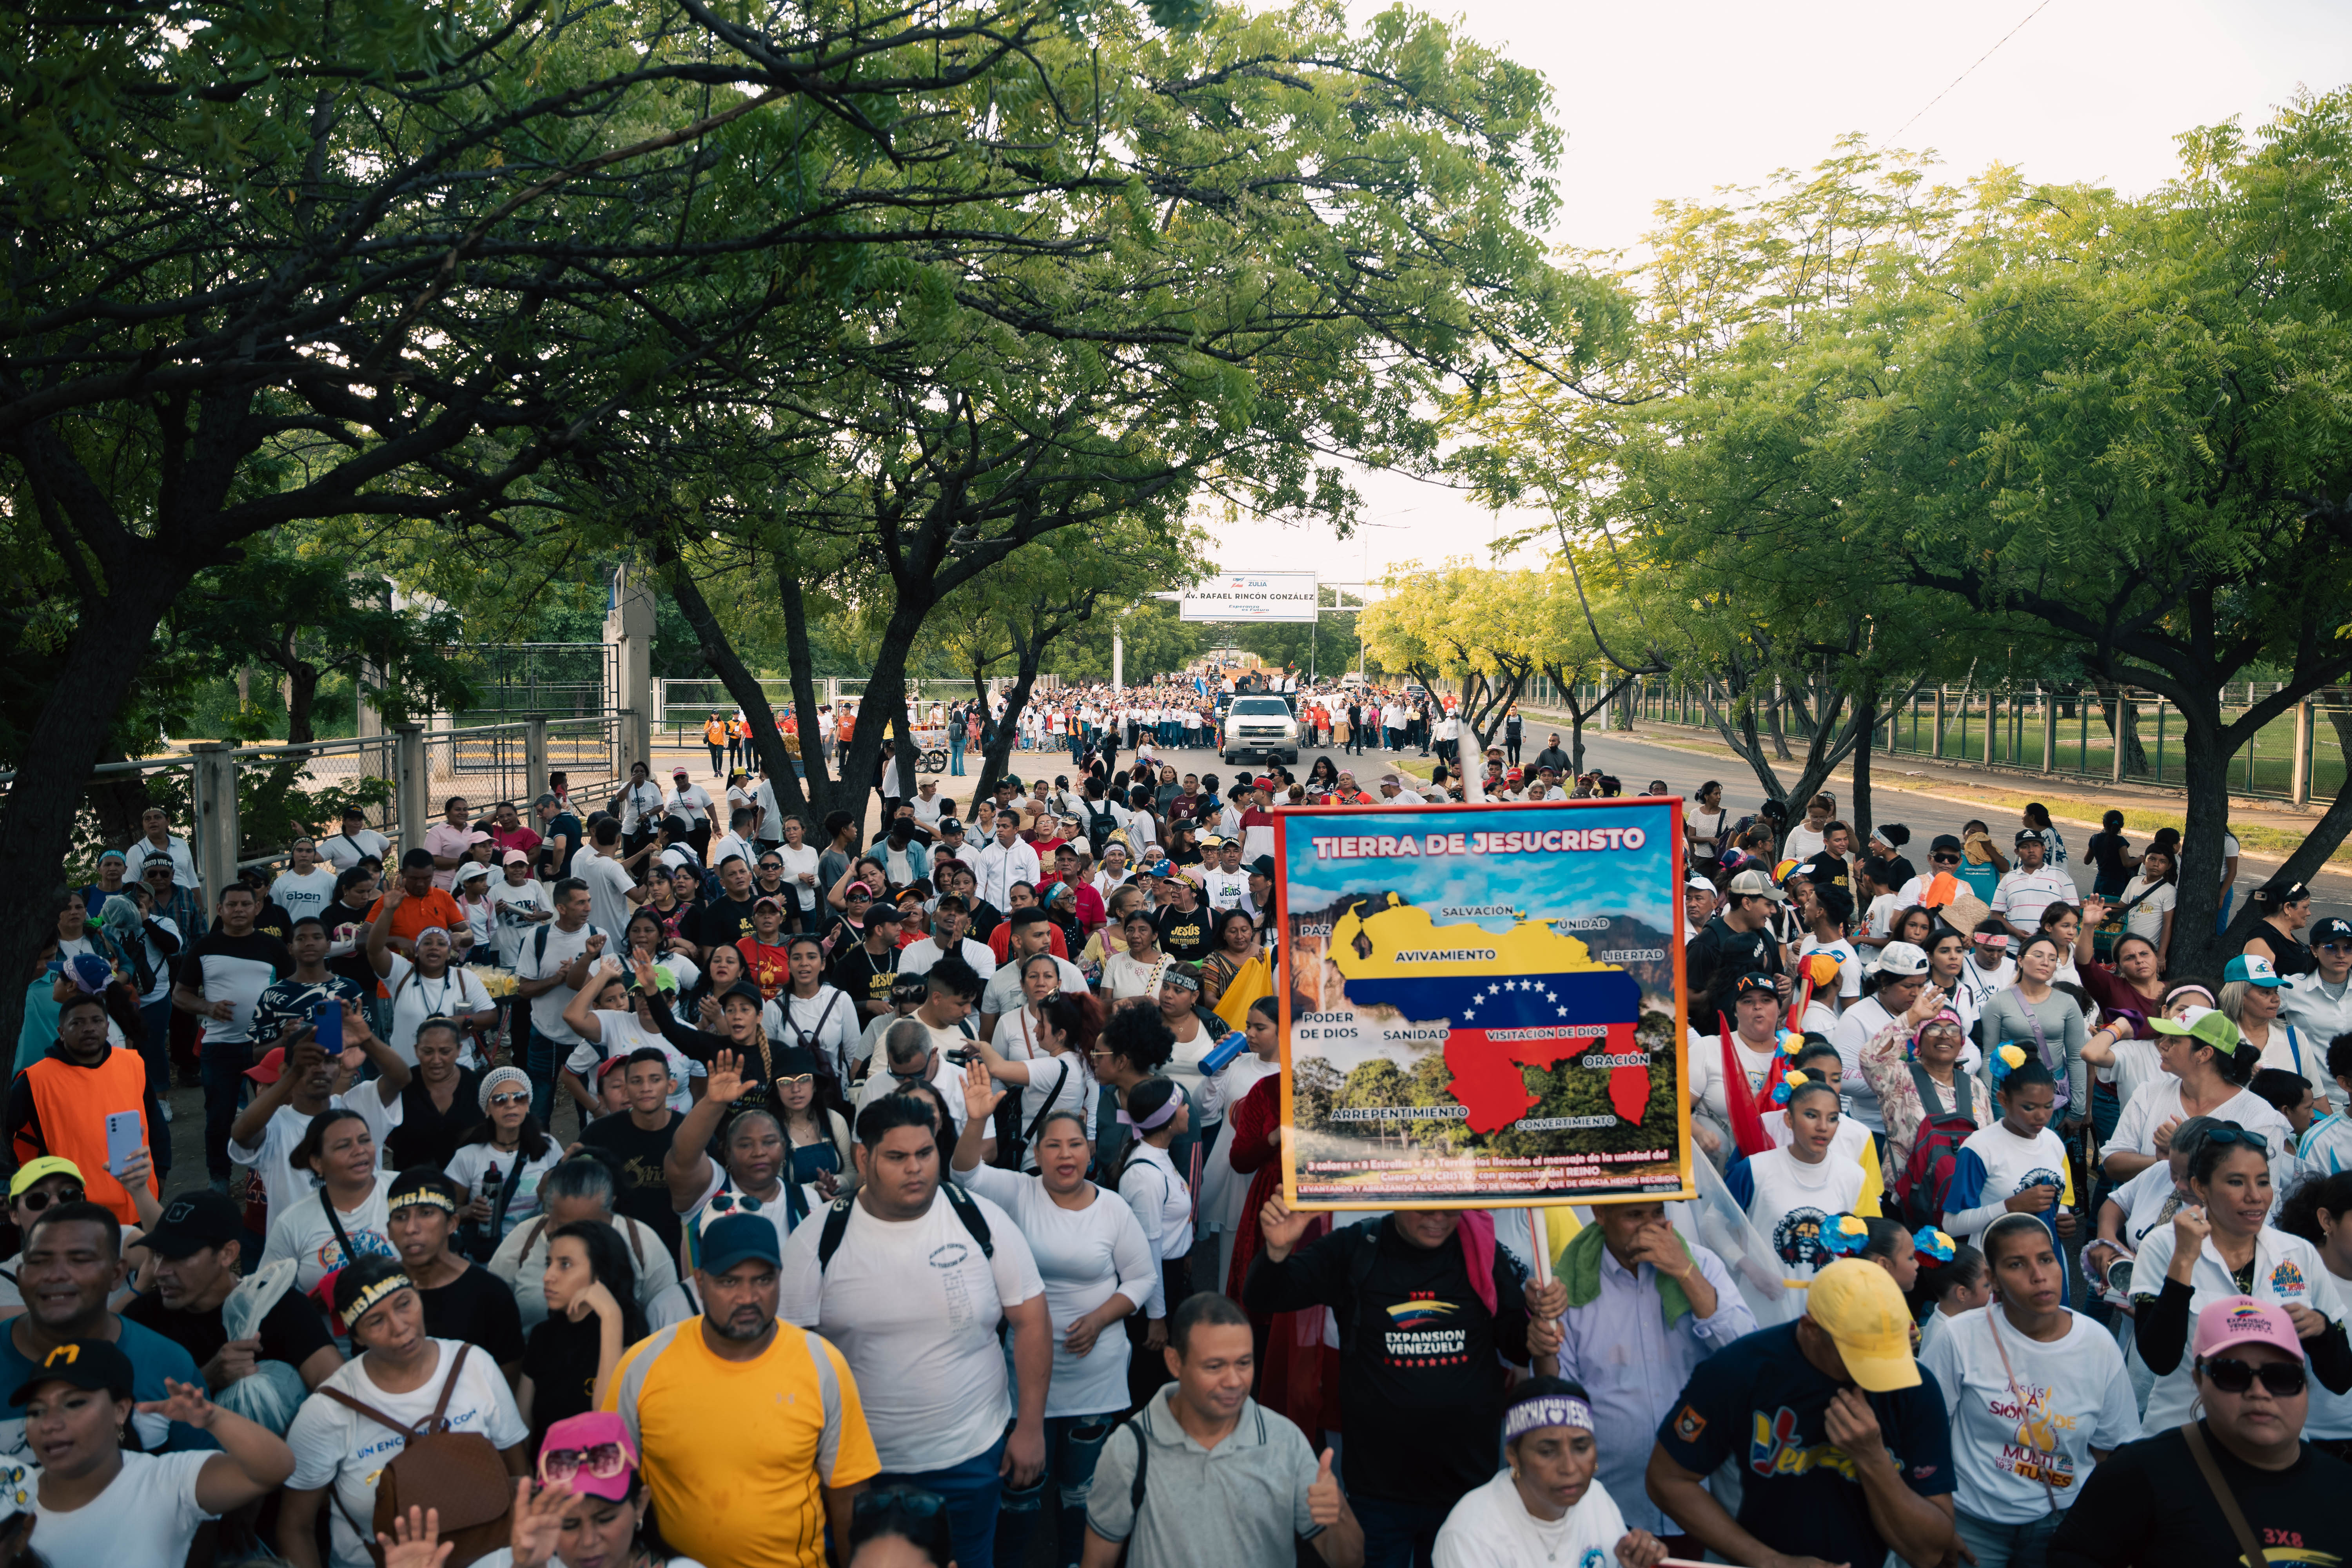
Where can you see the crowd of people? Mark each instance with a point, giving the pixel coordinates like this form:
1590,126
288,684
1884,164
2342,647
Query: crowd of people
670,1179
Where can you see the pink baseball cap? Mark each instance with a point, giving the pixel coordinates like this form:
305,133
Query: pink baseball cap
2235,1320
588,1472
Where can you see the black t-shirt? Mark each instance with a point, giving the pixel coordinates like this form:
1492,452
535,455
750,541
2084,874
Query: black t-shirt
1715,957
863,975
721,922
566,826
1420,1387
1759,1400
2149,1505
985,919
1188,936
478,1307
560,1362
644,1190
428,1135
291,1332
2105,851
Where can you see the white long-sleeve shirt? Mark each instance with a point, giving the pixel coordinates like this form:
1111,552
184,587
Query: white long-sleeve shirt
1000,865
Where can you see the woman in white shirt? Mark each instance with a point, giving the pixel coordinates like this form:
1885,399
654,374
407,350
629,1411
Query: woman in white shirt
501,1165
93,1503
1791,1195
2206,1068
1098,1267
481,912
1546,1509
2017,1470
345,1219
2218,1247
1132,978
1042,1046
1156,1116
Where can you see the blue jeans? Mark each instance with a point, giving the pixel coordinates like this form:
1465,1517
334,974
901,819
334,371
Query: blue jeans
1073,1445
223,1064
972,1491
955,754
2007,1545
2228,897
1399,1534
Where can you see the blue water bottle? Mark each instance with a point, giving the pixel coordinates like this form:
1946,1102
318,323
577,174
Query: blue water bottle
1222,1055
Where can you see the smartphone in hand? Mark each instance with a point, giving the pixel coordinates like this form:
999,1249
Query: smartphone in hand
326,1025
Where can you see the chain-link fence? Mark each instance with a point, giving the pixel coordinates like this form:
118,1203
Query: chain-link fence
2298,756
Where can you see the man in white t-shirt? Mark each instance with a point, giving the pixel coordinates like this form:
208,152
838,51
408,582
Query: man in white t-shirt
306,887
739,839
550,965
1226,885
909,1279
1032,933
951,933
912,1052
344,849
609,882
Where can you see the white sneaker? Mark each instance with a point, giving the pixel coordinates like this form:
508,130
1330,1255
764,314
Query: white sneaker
165,1106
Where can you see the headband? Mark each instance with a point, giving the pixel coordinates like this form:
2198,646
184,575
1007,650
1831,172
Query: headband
420,1198
1546,1410
1178,979
373,1296
2199,990
1990,939
1154,1121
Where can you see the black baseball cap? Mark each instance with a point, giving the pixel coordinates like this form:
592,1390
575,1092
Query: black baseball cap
2334,928
192,1223
1945,843
1753,981
949,825
97,1366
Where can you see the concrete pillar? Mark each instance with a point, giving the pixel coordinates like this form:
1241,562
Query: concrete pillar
217,837
534,762
2049,732
412,791
1939,753
2123,727
629,632
2299,786
1992,725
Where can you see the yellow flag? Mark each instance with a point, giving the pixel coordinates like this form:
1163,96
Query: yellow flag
1254,980
1554,1229
1874,1181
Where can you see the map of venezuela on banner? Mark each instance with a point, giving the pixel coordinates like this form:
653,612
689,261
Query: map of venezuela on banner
1487,1000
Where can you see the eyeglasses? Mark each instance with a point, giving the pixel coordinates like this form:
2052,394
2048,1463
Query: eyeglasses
36,1200
797,1080
2279,1379
604,1461
510,1099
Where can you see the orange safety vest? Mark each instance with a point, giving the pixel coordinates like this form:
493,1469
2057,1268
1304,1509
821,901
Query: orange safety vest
71,1105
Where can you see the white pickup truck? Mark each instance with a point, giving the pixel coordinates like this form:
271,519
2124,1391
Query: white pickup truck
1259,727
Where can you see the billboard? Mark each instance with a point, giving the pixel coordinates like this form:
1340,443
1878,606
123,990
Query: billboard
1262,596
1494,1005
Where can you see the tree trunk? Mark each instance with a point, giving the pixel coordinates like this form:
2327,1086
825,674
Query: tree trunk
1780,734
2197,952
719,653
36,817
799,668
2114,701
1029,654
888,687
1865,716
909,753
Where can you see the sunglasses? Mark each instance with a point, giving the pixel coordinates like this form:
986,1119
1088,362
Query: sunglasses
1945,860
895,1500
36,1200
2227,1135
510,1099
796,1081
604,1461
2279,1379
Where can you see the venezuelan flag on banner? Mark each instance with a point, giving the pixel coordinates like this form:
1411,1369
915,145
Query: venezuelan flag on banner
1254,980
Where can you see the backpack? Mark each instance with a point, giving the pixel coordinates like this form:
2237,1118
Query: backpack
836,1222
460,1474
1927,1174
1101,825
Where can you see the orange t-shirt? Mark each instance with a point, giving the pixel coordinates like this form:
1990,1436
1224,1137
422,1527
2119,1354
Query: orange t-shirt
435,909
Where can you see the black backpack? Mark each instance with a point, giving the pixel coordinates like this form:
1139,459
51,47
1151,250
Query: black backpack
1101,825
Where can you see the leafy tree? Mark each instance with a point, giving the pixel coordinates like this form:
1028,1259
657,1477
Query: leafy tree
1471,626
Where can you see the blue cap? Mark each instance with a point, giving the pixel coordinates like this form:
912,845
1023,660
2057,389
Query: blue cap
736,1238
86,971
2253,969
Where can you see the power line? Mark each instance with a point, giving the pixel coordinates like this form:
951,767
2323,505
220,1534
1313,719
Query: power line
1964,75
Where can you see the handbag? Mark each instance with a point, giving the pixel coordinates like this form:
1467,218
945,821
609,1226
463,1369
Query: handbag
2250,1548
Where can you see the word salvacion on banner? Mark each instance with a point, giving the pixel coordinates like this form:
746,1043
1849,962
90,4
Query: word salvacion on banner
1494,994
1259,596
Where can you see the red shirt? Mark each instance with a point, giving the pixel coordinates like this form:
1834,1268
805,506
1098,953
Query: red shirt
767,967
1000,943
517,838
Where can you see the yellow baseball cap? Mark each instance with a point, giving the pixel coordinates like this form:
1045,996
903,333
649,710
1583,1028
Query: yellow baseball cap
1859,1306
32,1170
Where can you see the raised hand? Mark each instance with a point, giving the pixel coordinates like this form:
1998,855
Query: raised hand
2190,1229
1323,1494
537,1521
642,969
980,1094
725,1084
395,895
2163,1139
415,1541
594,946
188,1404
1280,1228
1926,1006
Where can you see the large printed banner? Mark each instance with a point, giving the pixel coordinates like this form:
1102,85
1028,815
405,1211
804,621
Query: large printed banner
1493,997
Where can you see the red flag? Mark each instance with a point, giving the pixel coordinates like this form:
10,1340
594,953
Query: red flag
1747,1125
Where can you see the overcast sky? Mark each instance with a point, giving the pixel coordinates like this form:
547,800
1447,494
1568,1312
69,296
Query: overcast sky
1662,102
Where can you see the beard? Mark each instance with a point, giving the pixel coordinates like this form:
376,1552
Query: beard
746,1323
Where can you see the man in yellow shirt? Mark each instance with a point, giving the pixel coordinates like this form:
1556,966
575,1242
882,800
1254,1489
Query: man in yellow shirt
744,1424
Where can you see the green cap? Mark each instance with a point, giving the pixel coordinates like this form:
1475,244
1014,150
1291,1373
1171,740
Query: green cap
2206,1026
